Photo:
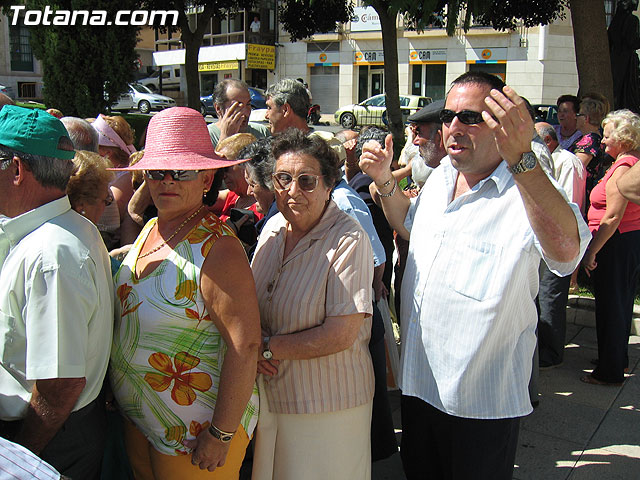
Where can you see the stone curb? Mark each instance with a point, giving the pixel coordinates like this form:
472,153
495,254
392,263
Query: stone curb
588,304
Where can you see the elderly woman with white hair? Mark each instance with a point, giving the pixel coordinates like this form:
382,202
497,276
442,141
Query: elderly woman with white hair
613,256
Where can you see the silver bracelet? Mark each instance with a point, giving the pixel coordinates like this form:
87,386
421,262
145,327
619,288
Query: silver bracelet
393,190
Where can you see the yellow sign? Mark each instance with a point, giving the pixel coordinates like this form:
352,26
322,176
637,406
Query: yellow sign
486,54
323,57
261,56
215,66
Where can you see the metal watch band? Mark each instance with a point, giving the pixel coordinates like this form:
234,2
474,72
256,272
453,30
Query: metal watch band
224,437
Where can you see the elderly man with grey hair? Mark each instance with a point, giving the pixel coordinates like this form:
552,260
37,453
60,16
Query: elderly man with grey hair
82,134
287,106
232,102
56,300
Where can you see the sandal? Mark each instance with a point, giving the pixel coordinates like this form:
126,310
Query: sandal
591,380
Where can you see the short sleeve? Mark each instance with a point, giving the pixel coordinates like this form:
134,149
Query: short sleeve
60,303
350,277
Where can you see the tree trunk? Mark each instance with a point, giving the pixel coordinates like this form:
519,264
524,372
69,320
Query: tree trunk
592,47
390,48
192,40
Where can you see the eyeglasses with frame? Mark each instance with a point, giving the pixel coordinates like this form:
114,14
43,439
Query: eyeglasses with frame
468,117
177,175
306,181
109,200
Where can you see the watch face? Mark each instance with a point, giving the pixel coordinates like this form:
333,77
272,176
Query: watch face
529,160
226,438
267,354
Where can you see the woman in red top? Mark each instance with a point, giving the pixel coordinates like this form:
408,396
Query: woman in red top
613,256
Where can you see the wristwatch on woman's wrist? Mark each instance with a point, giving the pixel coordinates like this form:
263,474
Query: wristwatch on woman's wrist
224,437
266,351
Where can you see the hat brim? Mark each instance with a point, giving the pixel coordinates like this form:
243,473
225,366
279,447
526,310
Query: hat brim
428,114
183,162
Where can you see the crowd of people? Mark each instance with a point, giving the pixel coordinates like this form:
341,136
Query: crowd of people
217,296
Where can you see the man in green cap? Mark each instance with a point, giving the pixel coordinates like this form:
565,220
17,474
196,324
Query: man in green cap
56,300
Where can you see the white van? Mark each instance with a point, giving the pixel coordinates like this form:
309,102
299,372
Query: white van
170,79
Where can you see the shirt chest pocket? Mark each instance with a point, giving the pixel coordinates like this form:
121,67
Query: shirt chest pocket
473,269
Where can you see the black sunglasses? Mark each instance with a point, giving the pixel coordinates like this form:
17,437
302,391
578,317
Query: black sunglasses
468,117
177,175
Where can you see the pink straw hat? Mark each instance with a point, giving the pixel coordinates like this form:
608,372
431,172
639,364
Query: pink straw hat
178,139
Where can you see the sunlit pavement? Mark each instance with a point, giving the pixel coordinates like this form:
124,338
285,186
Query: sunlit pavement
579,431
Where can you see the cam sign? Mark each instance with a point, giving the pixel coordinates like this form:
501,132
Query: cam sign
365,19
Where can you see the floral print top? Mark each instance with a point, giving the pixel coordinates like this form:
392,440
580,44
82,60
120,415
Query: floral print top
167,353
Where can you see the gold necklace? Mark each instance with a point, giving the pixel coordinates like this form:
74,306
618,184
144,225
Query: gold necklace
154,250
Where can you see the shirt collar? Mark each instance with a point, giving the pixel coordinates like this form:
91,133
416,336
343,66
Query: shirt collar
18,227
501,176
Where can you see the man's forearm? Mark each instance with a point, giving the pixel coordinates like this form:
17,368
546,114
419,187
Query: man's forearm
51,404
550,216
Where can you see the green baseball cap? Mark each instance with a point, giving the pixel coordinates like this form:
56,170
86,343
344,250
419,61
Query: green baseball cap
32,131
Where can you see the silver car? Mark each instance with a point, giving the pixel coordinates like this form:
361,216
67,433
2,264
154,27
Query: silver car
144,100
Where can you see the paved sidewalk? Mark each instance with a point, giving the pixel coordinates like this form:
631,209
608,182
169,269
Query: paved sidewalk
579,431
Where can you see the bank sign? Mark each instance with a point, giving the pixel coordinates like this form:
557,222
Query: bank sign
365,19
368,57
417,57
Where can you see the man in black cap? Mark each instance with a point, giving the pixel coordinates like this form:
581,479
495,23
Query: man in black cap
426,127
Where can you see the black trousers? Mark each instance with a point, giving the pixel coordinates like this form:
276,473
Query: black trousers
76,450
614,283
439,446
383,437
552,316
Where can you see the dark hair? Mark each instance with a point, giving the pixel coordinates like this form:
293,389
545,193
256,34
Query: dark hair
262,163
479,78
212,195
370,133
572,99
220,90
293,140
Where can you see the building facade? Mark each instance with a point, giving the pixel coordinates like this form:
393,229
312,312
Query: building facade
348,66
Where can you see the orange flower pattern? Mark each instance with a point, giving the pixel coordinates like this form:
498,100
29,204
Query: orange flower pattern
123,293
208,232
170,396
184,382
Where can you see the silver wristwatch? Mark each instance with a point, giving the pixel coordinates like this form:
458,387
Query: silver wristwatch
527,162
266,352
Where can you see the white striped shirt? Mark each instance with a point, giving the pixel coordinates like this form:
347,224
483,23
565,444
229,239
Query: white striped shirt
468,312
16,462
328,273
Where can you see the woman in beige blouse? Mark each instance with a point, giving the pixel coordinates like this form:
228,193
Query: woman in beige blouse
313,269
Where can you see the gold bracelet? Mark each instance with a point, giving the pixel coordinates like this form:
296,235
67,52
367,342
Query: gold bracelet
390,194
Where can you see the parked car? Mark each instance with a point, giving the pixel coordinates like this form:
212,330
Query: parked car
170,79
546,113
144,100
124,103
373,110
258,101
8,91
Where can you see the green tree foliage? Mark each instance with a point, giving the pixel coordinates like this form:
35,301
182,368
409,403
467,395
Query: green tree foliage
193,19
84,65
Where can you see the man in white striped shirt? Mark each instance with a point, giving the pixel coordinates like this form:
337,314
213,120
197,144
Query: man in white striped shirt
478,230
